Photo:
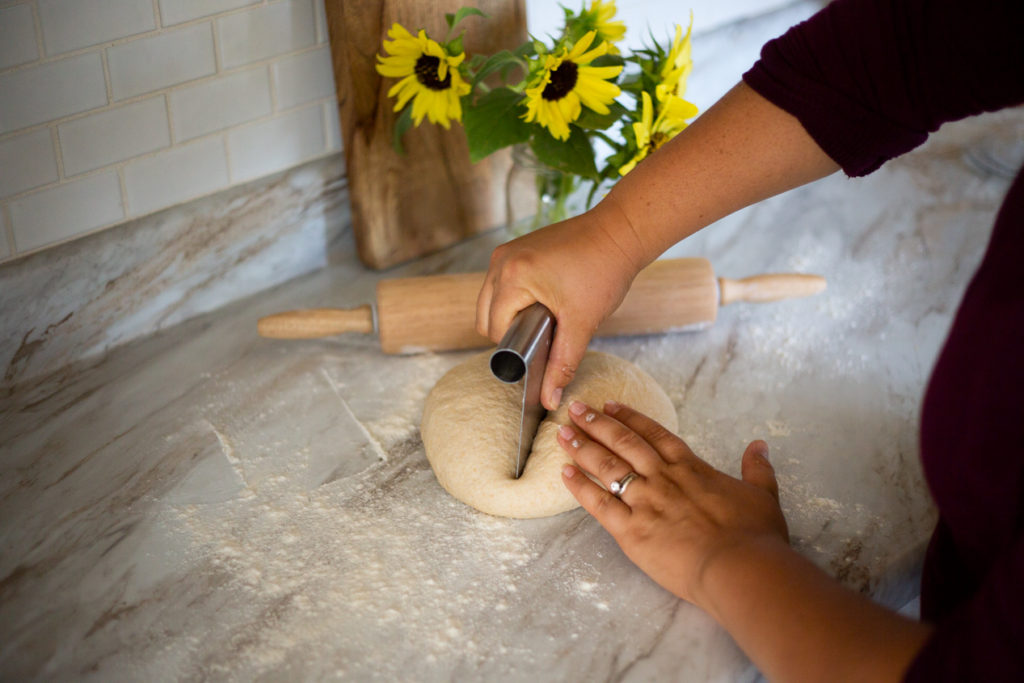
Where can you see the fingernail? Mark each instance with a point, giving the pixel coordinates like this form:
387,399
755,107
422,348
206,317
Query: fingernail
611,407
577,408
568,471
566,432
764,453
556,396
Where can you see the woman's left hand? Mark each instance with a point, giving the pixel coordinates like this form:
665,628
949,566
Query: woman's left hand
679,513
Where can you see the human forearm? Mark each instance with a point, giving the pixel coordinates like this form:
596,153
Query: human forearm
798,624
740,151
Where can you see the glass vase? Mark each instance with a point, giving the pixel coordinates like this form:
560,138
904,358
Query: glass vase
537,195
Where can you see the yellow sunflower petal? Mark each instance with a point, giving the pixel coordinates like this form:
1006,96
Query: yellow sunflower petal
602,72
588,57
581,45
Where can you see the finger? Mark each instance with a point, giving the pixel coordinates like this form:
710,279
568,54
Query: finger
617,439
505,304
757,470
593,457
567,349
611,512
669,446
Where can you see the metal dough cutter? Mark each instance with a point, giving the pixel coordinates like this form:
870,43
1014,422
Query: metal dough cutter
521,357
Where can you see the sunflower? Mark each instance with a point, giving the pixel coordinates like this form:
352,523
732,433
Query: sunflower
429,76
599,18
565,82
678,65
651,133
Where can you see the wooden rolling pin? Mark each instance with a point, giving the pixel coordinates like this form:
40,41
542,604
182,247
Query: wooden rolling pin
438,312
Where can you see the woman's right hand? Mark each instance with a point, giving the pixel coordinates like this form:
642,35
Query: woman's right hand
580,269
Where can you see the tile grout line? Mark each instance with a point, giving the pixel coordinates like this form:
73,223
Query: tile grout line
58,153
105,63
125,205
218,67
38,25
170,119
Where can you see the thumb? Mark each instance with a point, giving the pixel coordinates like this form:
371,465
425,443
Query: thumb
567,349
757,470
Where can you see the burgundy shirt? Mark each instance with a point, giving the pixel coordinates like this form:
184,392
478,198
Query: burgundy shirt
869,80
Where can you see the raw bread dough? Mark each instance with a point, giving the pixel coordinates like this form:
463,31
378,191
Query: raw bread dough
470,430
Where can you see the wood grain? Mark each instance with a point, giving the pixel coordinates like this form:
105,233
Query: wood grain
405,207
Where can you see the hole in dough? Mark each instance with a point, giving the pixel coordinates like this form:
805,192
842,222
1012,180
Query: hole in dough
470,430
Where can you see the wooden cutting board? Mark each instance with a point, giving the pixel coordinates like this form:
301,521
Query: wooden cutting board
405,207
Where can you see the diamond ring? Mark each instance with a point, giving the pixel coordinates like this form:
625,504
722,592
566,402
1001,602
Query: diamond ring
619,487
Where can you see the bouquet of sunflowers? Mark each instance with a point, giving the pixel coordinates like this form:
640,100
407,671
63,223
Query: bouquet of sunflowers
561,99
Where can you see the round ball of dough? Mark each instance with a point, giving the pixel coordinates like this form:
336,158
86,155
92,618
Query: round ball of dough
470,431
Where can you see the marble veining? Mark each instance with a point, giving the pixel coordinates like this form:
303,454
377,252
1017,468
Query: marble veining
206,504
77,300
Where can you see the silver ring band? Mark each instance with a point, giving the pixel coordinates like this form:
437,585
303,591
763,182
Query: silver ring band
617,488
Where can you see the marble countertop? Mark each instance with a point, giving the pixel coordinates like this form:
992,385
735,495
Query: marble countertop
208,504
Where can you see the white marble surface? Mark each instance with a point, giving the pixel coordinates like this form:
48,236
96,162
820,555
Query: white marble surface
205,504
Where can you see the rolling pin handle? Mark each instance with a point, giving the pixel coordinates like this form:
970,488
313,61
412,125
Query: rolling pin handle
769,287
315,323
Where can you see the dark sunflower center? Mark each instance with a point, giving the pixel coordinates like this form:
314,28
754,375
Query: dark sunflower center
426,73
563,80
658,139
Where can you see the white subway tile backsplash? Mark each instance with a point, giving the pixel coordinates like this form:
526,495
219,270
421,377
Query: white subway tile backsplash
266,32
66,211
72,24
114,135
176,175
17,36
219,103
27,161
176,11
303,78
269,146
149,64
49,91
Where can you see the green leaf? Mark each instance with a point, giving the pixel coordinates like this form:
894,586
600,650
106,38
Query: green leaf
591,120
495,62
461,14
609,60
402,124
526,50
454,46
574,155
493,122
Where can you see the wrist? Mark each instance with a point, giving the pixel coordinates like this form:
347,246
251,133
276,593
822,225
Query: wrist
734,562
627,236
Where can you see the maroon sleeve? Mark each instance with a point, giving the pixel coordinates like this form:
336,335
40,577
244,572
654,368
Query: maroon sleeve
870,79
983,639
